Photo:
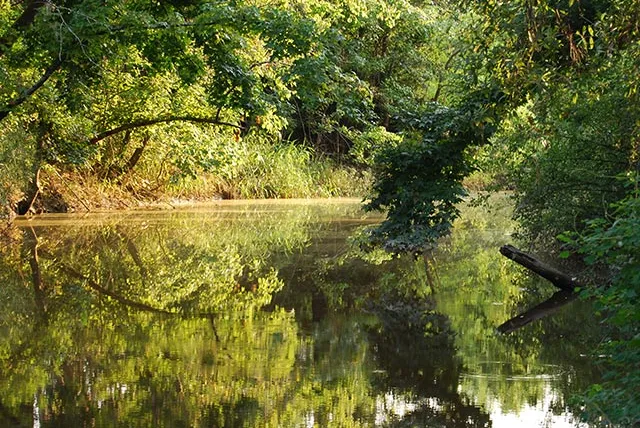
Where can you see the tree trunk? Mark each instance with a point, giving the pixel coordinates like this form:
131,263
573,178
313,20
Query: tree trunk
26,204
34,190
557,278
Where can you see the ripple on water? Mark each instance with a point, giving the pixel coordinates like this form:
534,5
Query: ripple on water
502,370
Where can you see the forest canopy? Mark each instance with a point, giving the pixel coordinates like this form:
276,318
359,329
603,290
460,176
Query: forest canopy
171,90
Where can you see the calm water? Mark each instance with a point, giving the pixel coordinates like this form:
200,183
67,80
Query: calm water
270,315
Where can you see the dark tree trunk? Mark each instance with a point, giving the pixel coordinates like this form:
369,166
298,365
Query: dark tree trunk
32,193
557,278
34,190
117,171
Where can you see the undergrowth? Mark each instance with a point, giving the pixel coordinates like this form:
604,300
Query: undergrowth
248,169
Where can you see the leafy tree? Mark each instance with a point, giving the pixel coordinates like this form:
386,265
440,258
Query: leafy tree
419,181
95,82
563,61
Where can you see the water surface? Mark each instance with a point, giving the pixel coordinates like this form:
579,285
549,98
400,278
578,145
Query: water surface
272,315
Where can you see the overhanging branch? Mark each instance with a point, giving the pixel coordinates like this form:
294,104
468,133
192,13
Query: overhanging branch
148,122
4,112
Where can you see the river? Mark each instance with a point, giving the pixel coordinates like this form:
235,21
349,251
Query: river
271,314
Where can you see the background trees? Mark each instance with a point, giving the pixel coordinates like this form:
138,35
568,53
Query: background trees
104,89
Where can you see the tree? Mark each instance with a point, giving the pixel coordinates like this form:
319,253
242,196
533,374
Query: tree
541,74
92,82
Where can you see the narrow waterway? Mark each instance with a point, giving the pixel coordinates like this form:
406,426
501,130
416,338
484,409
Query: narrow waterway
271,314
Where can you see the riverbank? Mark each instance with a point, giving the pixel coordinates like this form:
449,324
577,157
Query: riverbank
73,191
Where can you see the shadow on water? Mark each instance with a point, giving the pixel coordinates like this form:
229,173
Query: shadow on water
270,315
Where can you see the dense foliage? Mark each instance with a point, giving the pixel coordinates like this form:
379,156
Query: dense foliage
149,96
244,98
614,241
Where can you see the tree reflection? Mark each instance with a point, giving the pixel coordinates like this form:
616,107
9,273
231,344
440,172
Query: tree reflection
248,319
541,310
416,353
480,290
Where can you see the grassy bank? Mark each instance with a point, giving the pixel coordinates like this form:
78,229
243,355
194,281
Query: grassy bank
245,170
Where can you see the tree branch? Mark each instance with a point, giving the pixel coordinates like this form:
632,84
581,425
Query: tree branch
4,112
24,20
441,78
148,122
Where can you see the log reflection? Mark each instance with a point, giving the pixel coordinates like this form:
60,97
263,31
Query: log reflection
548,307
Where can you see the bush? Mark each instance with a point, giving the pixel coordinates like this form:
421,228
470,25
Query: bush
615,242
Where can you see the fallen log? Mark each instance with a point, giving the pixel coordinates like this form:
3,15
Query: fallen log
557,278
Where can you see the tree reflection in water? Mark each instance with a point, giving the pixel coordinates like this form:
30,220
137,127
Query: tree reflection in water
250,316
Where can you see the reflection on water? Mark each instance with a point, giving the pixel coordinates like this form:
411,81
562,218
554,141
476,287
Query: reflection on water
269,314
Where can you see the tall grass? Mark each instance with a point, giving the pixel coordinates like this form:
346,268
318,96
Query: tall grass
257,169
190,165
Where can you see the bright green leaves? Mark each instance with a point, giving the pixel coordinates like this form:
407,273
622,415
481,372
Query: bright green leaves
124,67
287,35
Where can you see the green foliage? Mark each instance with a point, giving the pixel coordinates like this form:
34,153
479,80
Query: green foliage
615,242
566,71
131,71
137,82
419,180
562,153
15,165
368,144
